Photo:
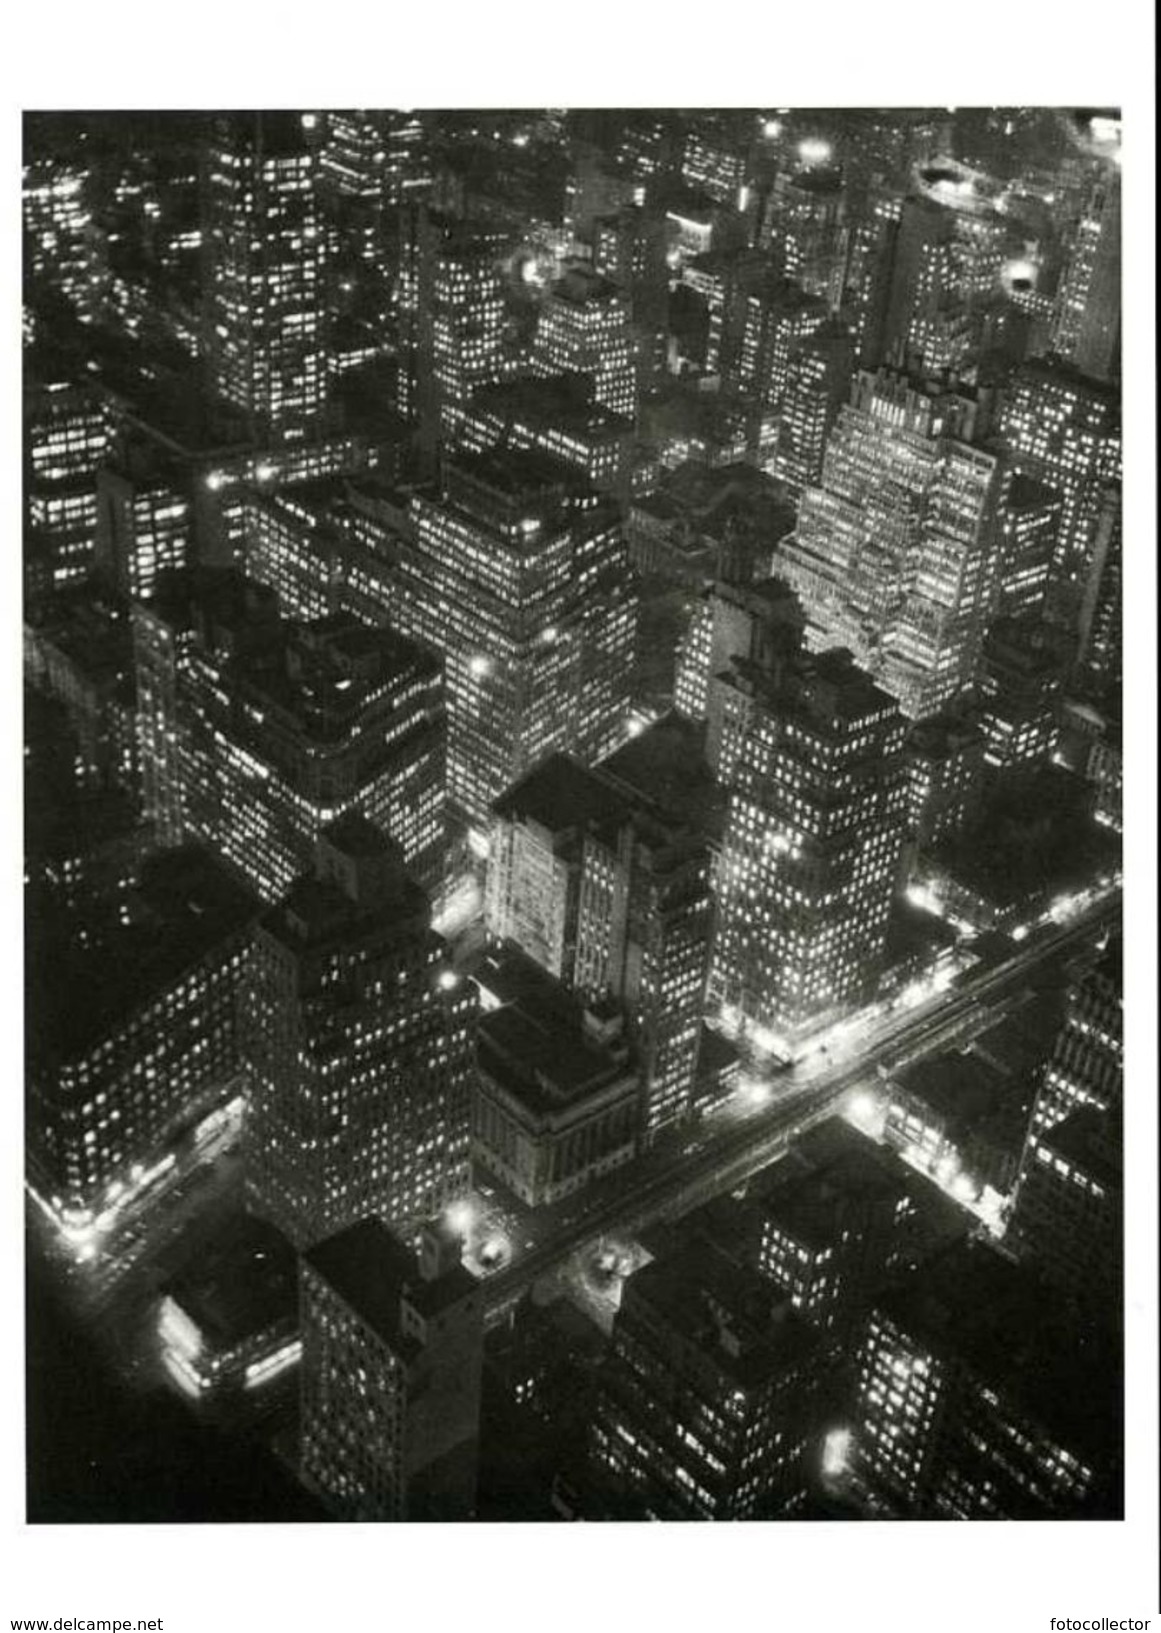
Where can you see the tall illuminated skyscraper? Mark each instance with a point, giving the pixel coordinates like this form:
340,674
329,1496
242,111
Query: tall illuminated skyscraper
817,383
895,552
518,577
1087,327
450,320
585,327
357,1036
811,752
266,250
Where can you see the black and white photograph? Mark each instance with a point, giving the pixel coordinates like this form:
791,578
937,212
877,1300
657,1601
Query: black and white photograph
582,749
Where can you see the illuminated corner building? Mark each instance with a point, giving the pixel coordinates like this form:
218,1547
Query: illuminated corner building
449,305
979,1399
961,1117
1087,325
704,1401
895,553
811,751
602,877
1068,1222
586,327
1022,676
558,416
144,527
713,158
556,1102
64,246
1030,517
1088,1059
1064,428
392,1358
357,1036
518,576
818,378
943,758
134,1043
227,1326
265,341
276,729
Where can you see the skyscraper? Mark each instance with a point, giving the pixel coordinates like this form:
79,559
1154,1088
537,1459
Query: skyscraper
265,305
810,750
606,884
1087,327
256,733
357,1034
1063,427
703,1404
517,576
450,320
586,327
895,552
391,1362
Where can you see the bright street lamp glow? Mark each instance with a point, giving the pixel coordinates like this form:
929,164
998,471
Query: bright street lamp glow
814,150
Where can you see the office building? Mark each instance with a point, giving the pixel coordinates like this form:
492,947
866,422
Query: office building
1069,1218
144,527
450,320
1087,326
265,334
818,377
811,751
603,878
1064,428
392,1351
557,1097
943,758
949,248
977,1399
1030,516
517,577
895,552
1021,678
704,1402
357,1036
227,1326
254,734
585,327
134,1042
557,415
1088,1058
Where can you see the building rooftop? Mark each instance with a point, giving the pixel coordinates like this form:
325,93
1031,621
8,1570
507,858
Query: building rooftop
244,1281
185,905
371,1270
730,1314
537,1044
560,795
1019,1339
